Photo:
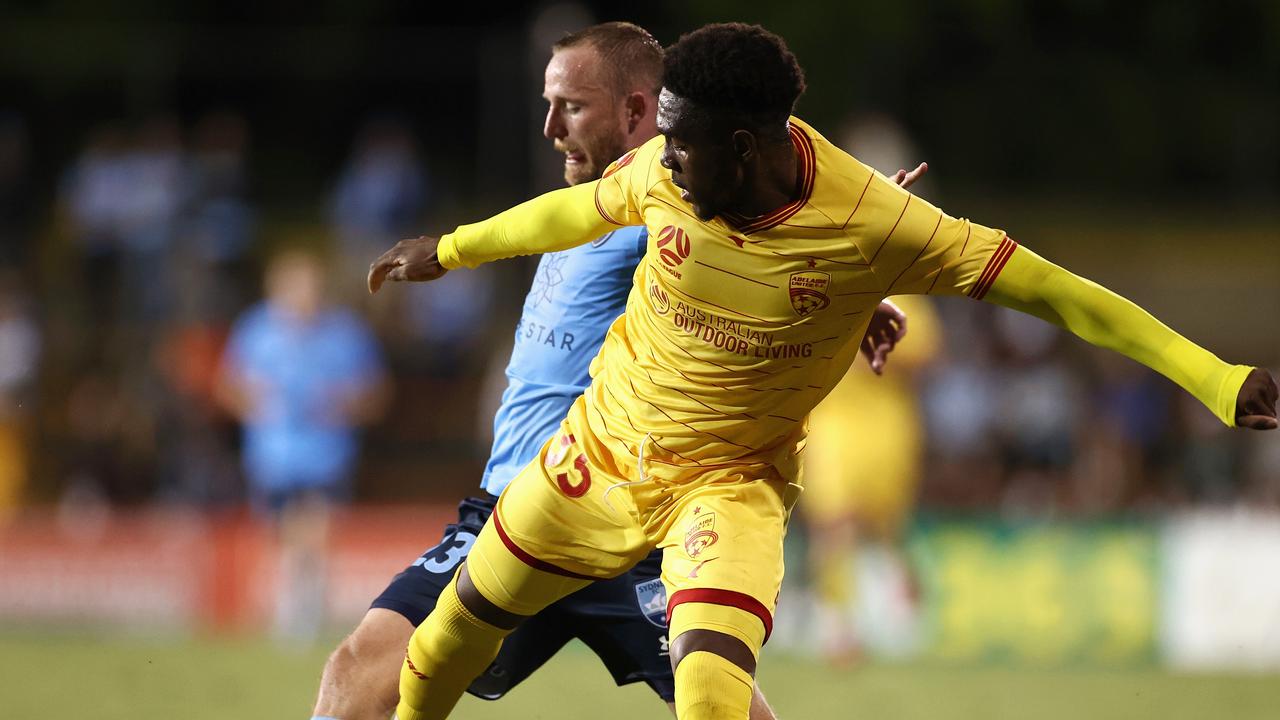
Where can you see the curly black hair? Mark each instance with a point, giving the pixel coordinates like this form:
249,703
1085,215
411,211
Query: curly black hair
735,68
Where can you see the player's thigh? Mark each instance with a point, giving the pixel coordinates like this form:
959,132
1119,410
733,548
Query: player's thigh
558,516
623,621
723,557
413,593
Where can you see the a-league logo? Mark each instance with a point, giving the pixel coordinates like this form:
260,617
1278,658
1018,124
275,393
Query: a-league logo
661,302
674,245
808,291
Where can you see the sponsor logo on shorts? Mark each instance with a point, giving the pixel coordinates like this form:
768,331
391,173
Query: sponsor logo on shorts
701,533
651,595
808,292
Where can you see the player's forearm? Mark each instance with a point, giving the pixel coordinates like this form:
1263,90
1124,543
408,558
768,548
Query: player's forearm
557,220
1034,285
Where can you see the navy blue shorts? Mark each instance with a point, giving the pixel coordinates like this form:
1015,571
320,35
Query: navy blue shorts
623,620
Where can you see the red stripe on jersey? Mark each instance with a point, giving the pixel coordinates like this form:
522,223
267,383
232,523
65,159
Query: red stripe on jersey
600,208
808,172
993,268
729,598
884,242
986,269
528,559
854,211
992,280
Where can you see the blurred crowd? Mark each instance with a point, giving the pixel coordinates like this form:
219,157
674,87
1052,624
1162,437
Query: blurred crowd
120,287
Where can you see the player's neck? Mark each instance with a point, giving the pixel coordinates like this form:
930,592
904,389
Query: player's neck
775,181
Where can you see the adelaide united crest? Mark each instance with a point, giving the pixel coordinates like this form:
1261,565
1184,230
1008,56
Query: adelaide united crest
701,533
808,291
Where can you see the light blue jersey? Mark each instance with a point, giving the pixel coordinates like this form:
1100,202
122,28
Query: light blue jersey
575,297
293,439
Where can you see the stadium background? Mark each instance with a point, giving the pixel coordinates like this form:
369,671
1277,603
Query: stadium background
1111,554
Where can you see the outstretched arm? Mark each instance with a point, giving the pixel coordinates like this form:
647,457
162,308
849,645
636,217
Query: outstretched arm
558,220
1237,394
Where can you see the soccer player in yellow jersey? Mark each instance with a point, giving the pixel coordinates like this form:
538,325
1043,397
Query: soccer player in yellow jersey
768,250
862,466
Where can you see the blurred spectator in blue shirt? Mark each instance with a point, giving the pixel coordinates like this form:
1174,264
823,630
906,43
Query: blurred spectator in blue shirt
301,378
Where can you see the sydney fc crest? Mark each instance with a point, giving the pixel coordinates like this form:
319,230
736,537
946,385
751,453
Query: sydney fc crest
652,597
808,291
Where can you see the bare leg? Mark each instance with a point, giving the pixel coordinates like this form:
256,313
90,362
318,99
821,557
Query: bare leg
361,678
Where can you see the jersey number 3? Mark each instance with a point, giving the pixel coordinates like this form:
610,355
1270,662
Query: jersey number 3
446,556
581,488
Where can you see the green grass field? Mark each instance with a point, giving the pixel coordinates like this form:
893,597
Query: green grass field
120,678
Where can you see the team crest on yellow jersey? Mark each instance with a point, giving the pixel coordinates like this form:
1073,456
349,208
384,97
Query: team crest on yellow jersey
701,534
809,291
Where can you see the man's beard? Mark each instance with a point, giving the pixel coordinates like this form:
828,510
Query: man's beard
599,153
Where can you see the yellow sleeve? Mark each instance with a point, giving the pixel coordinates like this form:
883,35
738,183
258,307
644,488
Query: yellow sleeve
926,251
1033,285
560,219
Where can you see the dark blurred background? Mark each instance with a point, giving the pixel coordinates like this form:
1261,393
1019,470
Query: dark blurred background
153,155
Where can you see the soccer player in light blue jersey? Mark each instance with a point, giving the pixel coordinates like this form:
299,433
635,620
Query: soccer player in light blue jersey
601,87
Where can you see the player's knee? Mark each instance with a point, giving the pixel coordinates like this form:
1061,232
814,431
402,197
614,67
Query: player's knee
482,607
728,631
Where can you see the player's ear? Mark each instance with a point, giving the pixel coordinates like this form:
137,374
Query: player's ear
637,106
744,145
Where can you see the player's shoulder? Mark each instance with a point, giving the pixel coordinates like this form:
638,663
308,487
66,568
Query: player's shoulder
643,155
832,161
841,179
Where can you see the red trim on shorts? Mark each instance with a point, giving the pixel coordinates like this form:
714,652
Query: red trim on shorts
731,598
528,559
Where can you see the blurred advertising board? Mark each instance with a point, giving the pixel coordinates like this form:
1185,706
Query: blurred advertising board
161,570
1221,590
1039,593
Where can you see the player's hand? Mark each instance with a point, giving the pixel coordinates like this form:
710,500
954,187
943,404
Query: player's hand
906,179
1256,403
888,326
409,261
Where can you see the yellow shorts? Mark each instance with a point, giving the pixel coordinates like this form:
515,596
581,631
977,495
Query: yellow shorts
864,467
720,529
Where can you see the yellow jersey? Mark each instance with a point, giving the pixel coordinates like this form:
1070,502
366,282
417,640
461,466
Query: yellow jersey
735,328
